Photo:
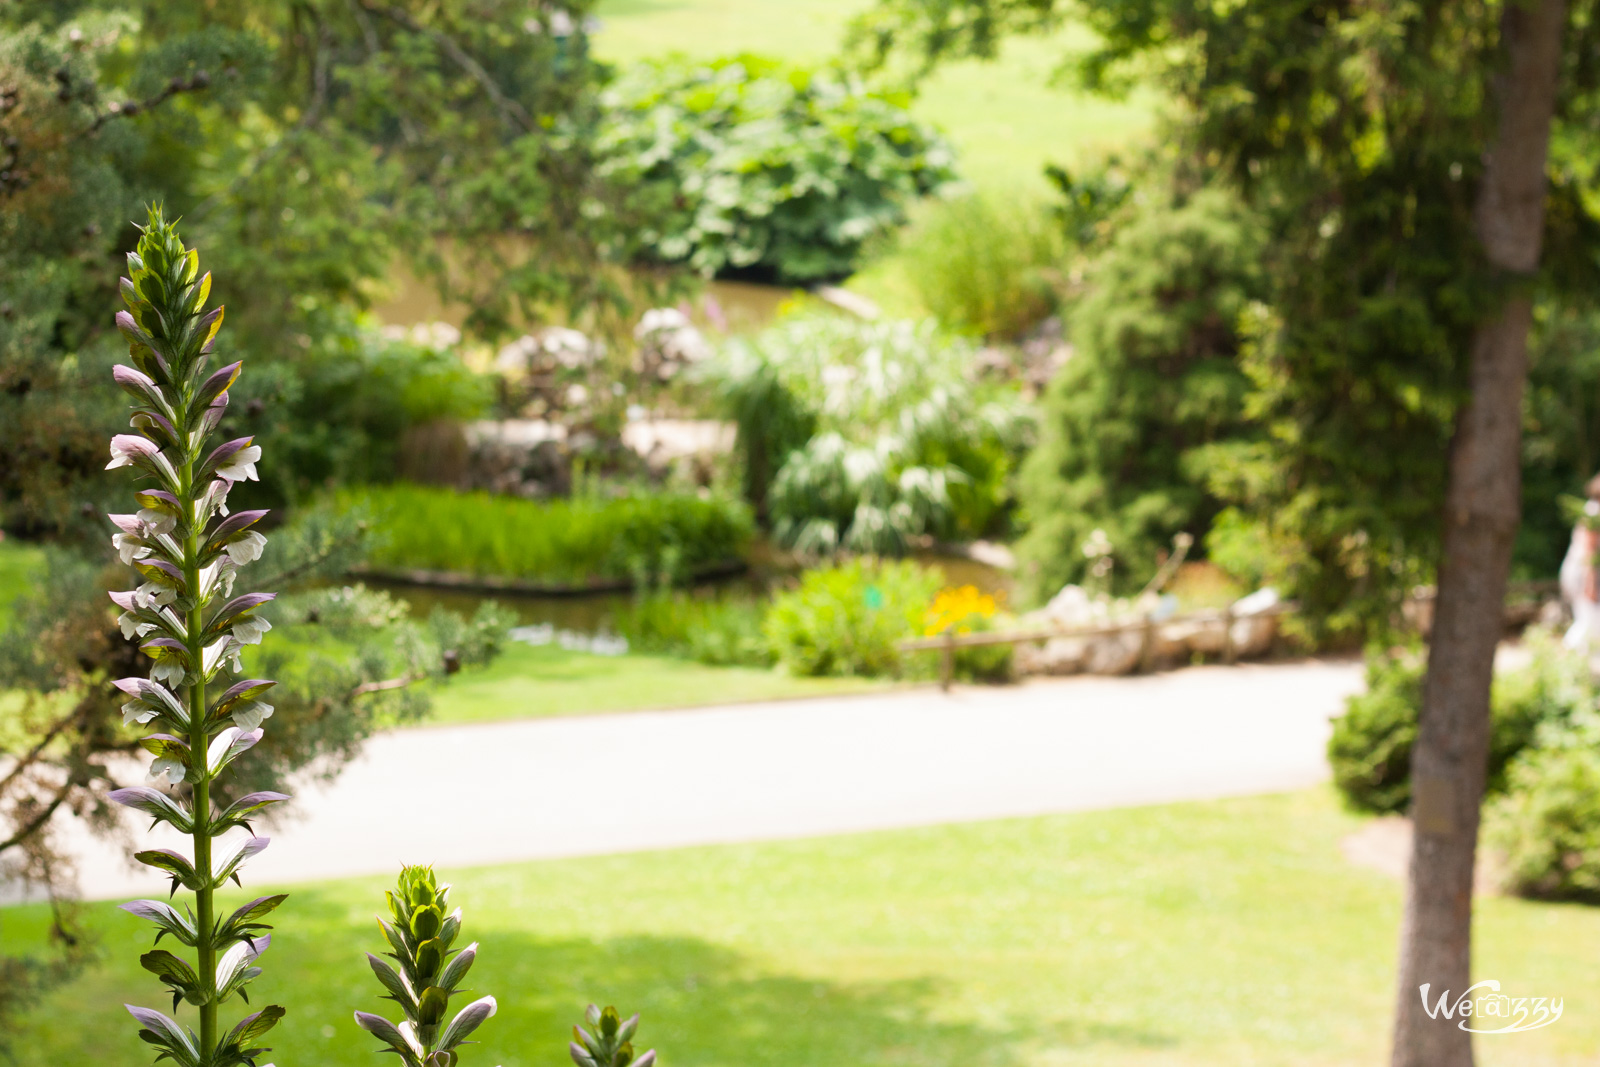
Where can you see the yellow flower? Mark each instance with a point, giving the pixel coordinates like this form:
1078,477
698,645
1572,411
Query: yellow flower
960,609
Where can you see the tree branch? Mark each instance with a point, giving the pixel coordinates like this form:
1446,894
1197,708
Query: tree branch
197,81
387,684
512,111
31,827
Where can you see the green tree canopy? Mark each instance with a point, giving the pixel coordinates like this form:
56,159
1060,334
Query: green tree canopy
313,146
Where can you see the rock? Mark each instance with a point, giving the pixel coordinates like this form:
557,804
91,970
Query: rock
1118,653
668,343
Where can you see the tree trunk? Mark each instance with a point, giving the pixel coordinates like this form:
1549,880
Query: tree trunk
1482,509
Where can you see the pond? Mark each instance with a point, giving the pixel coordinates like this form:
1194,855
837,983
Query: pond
591,614
731,307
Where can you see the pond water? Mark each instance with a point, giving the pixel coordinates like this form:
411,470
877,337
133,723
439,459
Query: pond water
591,613
724,307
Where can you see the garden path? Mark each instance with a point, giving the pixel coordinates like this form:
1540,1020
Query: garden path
466,795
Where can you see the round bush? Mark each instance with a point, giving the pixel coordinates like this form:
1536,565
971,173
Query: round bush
1370,750
846,619
1548,823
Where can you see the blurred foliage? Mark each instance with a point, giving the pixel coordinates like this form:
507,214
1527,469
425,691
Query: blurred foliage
645,536
1373,276
720,631
1560,429
906,443
312,144
1130,429
846,618
985,266
334,411
1547,825
745,164
1370,748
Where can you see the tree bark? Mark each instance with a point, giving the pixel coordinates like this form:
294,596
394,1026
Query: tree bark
1482,510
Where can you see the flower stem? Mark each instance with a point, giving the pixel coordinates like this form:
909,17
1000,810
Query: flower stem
204,921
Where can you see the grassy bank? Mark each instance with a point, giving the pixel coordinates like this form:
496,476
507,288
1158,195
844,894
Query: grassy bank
1221,933
1005,118
536,682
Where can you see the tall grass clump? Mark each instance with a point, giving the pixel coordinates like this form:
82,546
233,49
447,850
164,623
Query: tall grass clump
645,537
983,265
718,631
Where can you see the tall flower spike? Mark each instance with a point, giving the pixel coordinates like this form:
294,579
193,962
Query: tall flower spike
187,550
430,971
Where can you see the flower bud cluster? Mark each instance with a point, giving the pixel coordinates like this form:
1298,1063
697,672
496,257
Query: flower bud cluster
429,974
187,547
610,1043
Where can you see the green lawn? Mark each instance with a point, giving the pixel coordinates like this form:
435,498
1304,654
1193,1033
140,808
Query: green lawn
18,562
529,682
1004,117
1227,933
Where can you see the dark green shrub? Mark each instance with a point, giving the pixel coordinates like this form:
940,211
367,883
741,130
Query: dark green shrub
1547,825
1370,749
643,537
1153,382
337,410
847,618
744,163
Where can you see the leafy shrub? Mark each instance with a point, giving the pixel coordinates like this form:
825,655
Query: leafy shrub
720,631
1153,382
984,266
1547,826
335,412
965,610
1560,429
1370,749
640,536
847,618
905,444
745,163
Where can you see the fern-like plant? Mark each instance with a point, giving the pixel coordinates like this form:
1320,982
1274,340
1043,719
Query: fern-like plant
187,547
430,971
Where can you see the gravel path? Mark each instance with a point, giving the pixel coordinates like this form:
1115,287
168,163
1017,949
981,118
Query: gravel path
458,796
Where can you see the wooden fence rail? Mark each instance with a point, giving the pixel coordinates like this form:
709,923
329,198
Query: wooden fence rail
947,643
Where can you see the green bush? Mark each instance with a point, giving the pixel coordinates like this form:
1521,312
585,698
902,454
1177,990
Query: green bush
904,444
719,631
1547,826
1154,381
744,163
984,266
644,537
335,412
846,619
1370,749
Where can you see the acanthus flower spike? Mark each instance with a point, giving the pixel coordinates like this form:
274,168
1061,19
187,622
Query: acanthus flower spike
179,616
